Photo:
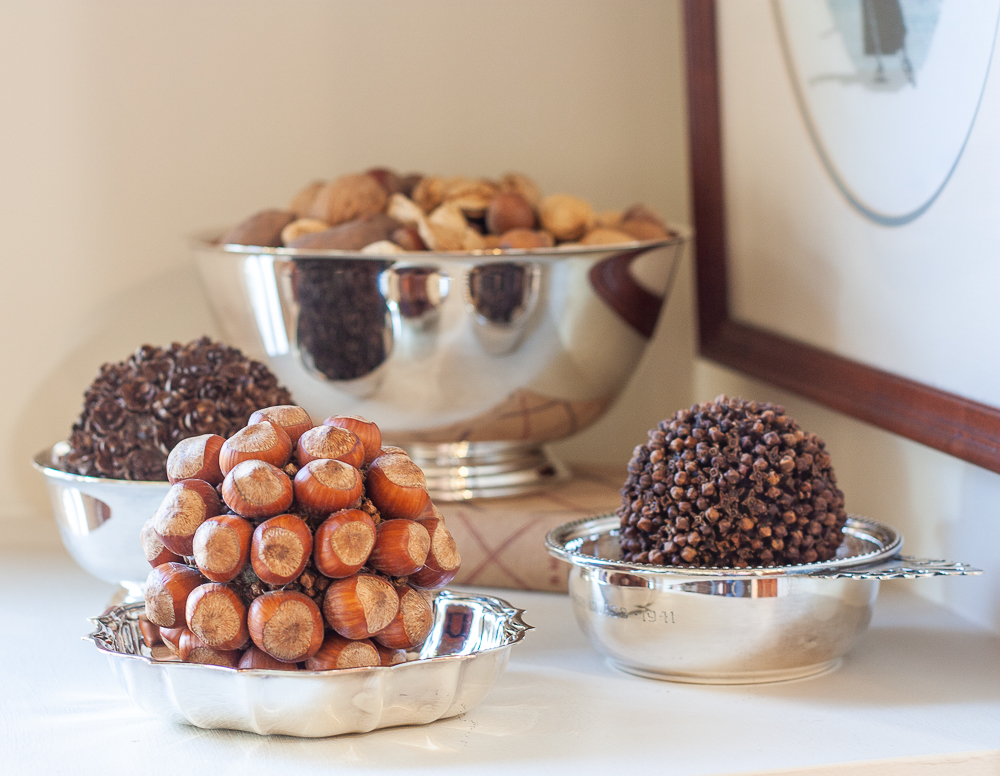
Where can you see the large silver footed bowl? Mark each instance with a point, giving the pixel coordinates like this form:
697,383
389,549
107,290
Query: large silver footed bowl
470,361
465,653
728,625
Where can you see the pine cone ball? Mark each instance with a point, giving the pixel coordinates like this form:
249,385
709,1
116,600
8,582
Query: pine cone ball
731,483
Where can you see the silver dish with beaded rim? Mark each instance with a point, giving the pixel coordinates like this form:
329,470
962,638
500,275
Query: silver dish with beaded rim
730,625
465,653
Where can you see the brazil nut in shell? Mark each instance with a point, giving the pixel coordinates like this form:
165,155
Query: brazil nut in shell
731,483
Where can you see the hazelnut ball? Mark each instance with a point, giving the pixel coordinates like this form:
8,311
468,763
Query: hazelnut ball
731,483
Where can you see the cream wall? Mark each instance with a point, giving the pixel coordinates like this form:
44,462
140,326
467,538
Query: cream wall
128,125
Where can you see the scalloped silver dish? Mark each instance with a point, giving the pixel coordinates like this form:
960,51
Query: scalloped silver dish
465,653
730,625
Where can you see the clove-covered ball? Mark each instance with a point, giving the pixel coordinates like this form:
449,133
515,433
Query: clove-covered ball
731,483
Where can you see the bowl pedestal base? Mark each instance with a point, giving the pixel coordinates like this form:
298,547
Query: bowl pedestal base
458,471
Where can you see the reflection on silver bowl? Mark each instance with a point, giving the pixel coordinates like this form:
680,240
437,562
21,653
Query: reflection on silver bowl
730,626
469,360
465,654
99,519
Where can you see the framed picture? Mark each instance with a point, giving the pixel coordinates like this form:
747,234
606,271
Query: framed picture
846,198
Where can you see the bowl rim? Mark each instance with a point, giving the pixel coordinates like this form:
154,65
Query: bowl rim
559,542
43,462
206,240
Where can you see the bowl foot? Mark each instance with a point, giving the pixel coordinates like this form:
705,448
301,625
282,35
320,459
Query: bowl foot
742,677
459,471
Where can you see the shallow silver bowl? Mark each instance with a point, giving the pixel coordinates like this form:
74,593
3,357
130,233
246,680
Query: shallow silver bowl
99,519
730,626
471,361
466,652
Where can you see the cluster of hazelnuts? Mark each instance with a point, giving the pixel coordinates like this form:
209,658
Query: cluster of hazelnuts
293,546
382,212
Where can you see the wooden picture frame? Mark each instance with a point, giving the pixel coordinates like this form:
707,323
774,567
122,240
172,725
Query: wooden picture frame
945,421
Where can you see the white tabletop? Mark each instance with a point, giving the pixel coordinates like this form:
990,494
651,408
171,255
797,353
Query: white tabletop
922,686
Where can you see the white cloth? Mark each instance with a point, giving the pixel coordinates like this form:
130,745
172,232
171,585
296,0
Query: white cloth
921,683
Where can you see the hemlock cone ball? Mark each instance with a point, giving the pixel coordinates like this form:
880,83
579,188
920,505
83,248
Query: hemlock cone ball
136,411
731,483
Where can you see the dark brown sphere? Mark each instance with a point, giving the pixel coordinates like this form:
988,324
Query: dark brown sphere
731,483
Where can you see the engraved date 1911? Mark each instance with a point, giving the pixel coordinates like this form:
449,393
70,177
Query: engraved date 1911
641,613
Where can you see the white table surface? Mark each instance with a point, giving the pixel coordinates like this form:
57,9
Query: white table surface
921,689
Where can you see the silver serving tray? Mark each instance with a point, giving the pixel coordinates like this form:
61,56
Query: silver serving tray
465,653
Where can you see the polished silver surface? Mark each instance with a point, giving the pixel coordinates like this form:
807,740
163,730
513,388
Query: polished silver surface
99,519
730,626
471,361
465,653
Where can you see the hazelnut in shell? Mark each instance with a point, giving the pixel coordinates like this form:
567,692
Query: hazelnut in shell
360,606
509,210
256,658
280,549
397,487
221,547
412,623
294,420
343,543
154,550
187,505
401,547
331,442
217,616
171,638
324,486
523,185
257,489
367,432
150,631
196,458
286,624
191,649
263,441
443,559
388,656
167,589
338,652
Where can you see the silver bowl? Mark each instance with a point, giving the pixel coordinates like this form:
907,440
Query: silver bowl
471,361
465,653
99,519
725,625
